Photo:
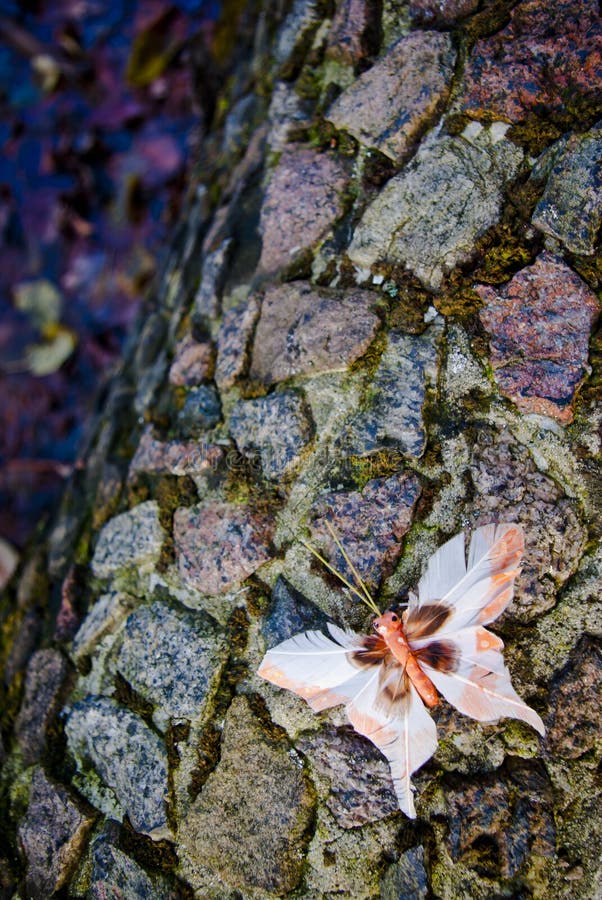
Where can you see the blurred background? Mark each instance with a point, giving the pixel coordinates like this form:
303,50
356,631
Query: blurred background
98,121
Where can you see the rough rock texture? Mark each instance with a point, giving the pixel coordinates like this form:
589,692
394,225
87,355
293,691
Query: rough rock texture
232,342
540,324
391,104
571,206
129,758
548,56
360,781
429,217
114,874
302,202
258,790
132,538
172,658
51,835
201,411
370,524
352,32
192,362
394,417
508,487
46,673
441,13
276,428
405,348
304,331
219,545
174,457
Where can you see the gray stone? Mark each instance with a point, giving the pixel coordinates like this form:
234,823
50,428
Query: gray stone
276,428
295,33
129,758
219,544
507,487
174,457
571,206
302,201
207,302
289,613
249,825
51,836
201,411
429,217
394,417
406,878
305,330
171,657
46,674
115,875
289,115
233,341
133,538
102,617
395,101
361,789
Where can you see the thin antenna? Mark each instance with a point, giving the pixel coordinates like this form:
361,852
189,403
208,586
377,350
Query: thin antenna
364,594
358,578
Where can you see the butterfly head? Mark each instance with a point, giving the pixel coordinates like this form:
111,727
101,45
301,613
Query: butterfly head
388,623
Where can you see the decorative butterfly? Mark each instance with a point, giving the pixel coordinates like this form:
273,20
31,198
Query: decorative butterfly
438,645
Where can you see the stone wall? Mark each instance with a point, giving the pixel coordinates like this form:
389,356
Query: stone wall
379,312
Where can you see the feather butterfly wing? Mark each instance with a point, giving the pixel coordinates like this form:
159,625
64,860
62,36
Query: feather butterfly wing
444,624
381,702
444,630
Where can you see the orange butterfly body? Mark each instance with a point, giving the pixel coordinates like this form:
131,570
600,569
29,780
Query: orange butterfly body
438,646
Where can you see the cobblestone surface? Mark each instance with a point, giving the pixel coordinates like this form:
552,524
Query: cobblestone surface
379,317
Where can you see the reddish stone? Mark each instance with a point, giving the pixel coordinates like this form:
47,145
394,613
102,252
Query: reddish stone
304,331
395,101
550,54
219,545
350,33
192,363
540,323
302,201
233,341
52,836
369,524
174,457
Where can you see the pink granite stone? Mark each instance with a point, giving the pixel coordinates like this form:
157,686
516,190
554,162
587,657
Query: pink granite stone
370,524
351,33
233,342
219,545
174,457
305,330
548,57
395,101
302,201
192,363
540,323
